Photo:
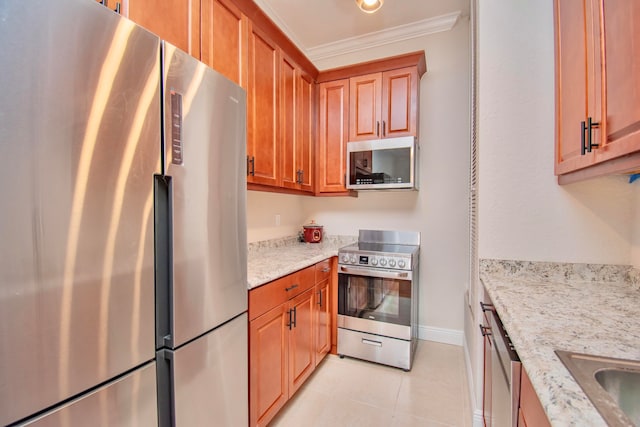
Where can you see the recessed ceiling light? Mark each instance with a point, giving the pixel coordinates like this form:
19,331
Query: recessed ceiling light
369,6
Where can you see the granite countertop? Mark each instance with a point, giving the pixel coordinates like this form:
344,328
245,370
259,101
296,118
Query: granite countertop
584,308
271,259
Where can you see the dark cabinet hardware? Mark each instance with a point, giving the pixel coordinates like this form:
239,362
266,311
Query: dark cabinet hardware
586,136
290,324
295,316
251,166
320,298
384,128
486,307
485,330
295,285
377,128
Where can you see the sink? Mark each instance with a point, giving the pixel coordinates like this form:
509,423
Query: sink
612,385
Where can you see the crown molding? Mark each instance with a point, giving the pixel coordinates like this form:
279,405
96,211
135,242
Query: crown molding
271,13
413,30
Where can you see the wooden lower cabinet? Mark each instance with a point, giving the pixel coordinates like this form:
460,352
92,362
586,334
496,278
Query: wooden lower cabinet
289,334
531,413
268,357
301,340
323,308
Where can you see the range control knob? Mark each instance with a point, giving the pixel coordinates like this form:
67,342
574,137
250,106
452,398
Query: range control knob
392,262
401,263
374,261
344,258
352,259
383,261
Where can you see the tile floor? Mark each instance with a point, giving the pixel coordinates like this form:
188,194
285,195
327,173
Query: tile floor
350,392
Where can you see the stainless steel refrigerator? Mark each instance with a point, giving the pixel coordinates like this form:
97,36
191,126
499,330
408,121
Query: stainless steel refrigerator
122,226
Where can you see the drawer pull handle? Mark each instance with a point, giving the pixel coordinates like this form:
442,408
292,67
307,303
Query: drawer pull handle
486,307
291,287
326,270
485,330
370,342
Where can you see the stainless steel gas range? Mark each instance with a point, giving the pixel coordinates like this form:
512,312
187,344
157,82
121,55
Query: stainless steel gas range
378,297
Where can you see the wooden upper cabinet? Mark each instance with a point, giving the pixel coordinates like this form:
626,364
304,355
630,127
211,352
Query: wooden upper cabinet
332,136
296,127
289,169
177,22
262,109
305,132
597,62
577,94
224,39
383,105
365,107
621,29
400,106
116,5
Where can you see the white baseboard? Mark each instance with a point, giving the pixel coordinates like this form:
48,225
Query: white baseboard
441,335
476,420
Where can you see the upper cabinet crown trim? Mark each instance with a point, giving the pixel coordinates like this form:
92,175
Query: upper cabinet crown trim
413,59
414,30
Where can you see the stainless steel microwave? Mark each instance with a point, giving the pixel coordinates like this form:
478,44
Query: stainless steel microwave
383,164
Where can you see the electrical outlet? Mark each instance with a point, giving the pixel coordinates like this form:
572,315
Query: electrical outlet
277,220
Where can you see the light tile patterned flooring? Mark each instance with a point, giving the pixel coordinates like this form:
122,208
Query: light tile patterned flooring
350,392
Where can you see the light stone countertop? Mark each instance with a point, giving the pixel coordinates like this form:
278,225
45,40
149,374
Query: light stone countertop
271,259
585,308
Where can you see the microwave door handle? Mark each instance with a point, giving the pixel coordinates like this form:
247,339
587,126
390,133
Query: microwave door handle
372,273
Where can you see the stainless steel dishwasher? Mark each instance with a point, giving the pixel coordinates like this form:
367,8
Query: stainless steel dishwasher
505,376
501,406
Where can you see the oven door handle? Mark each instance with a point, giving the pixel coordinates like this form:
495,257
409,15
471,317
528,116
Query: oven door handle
370,272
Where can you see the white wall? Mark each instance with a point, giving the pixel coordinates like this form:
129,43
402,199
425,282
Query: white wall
262,209
523,212
439,209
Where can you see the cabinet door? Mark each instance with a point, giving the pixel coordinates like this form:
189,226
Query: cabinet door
287,120
322,308
400,102
332,136
268,358
305,130
577,88
224,39
262,108
177,22
621,44
121,5
365,104
530,407
301,341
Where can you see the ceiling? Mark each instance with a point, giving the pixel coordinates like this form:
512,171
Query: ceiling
320,27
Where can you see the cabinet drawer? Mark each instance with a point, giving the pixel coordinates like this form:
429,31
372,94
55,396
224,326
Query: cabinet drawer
272,294
323,270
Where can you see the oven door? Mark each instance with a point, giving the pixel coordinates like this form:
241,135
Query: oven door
375,301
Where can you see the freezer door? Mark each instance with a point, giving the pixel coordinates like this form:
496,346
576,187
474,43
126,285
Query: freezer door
127,401
79,132
204,154
209,378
